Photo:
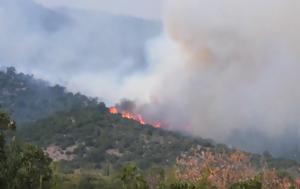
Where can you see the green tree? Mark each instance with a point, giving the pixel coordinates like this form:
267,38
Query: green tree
5,124
132,178
86,182
23,166
255,183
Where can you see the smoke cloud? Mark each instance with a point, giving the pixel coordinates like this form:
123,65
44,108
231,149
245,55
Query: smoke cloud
231,70
86,51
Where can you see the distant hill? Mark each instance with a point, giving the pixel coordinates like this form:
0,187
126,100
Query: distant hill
79,131
28,99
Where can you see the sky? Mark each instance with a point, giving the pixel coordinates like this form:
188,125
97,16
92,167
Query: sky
150,9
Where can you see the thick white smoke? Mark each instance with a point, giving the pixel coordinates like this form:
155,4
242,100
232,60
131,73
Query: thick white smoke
230,67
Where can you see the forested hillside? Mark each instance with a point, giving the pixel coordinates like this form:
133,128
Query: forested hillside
53,118
28,99
98,138
90,147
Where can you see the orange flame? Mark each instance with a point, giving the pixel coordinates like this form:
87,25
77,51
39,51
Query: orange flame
157,125
127,115
113,110
140,119
137,117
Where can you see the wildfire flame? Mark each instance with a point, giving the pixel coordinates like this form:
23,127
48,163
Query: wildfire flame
113,110
137,117
157,125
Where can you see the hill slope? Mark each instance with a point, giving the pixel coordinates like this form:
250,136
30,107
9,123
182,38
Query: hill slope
90,137
52,117
81,133
97,137
29,99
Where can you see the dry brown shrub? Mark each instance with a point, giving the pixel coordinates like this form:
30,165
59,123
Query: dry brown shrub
271,180
223,170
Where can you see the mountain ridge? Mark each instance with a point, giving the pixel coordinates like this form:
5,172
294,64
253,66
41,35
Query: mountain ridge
81,133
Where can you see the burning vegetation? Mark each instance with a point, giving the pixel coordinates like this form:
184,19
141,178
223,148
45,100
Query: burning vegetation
134,116
151,114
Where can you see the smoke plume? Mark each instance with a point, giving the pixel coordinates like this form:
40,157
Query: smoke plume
231,70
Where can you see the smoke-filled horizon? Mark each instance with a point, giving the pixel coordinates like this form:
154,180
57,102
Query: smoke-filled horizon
87,51
234,69
229,70
226,70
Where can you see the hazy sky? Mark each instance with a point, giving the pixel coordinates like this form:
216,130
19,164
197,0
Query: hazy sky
141,8
222,69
